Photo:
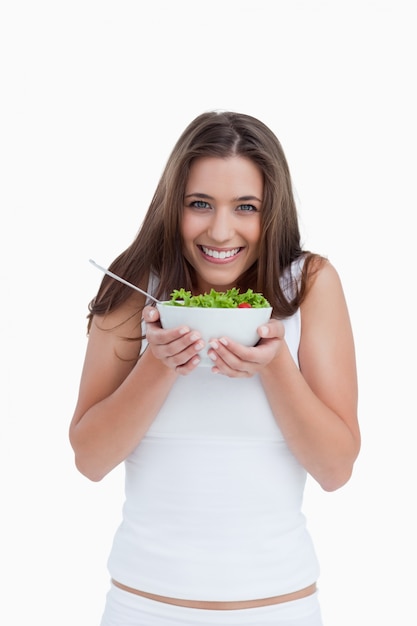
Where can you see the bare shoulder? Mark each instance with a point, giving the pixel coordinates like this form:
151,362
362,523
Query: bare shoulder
121,325
325,320
116,336
324,288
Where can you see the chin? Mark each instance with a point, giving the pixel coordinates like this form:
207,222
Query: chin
218,283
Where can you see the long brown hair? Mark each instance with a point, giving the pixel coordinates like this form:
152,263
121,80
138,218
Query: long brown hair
158,246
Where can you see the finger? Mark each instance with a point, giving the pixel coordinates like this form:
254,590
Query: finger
274,329
163,336
234,354
176,346
182,362
150,314
188,367
181,350
231,363
221,367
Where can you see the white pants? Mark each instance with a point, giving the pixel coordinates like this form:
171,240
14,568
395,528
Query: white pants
127,609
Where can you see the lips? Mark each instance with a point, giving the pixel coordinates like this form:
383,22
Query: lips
220,255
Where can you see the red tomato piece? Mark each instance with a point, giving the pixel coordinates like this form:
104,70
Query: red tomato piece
244,305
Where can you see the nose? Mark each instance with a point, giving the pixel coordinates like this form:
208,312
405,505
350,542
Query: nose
221,227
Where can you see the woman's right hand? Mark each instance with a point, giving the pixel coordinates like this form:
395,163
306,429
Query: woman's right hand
177,348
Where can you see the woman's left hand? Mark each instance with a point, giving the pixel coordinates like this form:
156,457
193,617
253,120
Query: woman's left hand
237,361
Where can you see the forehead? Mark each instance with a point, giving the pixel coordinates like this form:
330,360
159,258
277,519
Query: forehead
235,173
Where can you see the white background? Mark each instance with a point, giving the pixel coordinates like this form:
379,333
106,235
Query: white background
93,96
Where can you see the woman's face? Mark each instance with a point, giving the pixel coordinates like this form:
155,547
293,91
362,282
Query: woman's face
221,222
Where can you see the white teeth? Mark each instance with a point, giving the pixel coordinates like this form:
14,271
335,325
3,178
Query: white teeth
220,255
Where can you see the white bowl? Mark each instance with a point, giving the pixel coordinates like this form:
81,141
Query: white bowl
213,323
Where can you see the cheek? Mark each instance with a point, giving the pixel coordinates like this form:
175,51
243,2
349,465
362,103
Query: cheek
184,230
188,234
187,226
254,241
254,234
191,228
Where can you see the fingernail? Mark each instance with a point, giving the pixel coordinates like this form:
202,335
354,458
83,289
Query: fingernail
199,345
184,330
213,356
264,330
214,344
151,314
224,341
195,336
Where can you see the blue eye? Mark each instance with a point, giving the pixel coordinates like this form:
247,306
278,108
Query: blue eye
249,208
200,204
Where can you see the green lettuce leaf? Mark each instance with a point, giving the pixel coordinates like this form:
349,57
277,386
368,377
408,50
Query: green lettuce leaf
230,299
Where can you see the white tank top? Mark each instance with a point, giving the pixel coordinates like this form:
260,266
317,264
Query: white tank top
214,496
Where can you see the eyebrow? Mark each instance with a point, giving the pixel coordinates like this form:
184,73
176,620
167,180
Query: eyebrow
207,197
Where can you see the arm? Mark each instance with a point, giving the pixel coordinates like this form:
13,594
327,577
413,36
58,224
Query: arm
119,395
316,405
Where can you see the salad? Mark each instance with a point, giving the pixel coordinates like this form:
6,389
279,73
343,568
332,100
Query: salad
230,299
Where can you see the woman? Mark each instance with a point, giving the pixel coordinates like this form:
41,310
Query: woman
216,458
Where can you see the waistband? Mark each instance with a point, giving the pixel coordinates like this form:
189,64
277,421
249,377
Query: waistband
131,609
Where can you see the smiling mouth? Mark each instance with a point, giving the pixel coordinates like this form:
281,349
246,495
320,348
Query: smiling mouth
220,254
